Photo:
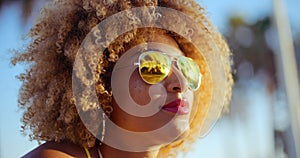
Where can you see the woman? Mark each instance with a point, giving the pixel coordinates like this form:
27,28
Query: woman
122,78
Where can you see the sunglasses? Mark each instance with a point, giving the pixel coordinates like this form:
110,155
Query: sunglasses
155,66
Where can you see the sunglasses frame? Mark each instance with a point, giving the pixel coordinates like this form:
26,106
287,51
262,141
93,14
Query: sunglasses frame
171,59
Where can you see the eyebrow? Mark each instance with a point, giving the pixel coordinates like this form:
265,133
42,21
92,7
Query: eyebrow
164,51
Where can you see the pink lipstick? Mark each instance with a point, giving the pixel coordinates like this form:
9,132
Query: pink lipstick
178,106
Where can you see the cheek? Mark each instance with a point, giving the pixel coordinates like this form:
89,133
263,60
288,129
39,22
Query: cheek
139,90
190,97
194,105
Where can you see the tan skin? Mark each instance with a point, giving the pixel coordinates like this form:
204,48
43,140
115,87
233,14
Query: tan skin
122,119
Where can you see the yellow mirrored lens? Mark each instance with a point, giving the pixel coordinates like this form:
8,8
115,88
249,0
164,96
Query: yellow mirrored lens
154,67
190,70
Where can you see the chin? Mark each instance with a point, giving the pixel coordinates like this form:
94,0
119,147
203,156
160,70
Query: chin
183,135
174,132
178,137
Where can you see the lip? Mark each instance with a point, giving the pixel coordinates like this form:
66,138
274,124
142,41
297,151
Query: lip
177,106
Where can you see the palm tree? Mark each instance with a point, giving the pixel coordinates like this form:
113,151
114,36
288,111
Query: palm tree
26,5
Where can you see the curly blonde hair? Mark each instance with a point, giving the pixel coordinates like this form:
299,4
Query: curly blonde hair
46,95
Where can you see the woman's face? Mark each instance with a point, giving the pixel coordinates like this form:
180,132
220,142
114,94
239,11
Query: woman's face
170,101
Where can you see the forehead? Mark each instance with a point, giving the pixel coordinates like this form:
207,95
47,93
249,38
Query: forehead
165,44
165,48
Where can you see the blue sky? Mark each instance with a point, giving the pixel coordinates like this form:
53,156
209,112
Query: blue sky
13,144
250,10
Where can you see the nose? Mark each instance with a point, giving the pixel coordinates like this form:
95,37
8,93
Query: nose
176,82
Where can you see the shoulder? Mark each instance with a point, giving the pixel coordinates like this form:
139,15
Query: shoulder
47,153
58,150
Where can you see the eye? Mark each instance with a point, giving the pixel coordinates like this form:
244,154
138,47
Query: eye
190,71
154,67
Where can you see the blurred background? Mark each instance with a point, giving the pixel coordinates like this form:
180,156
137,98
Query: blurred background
259,123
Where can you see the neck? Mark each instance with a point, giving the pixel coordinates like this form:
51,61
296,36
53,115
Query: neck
111,152
132,142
